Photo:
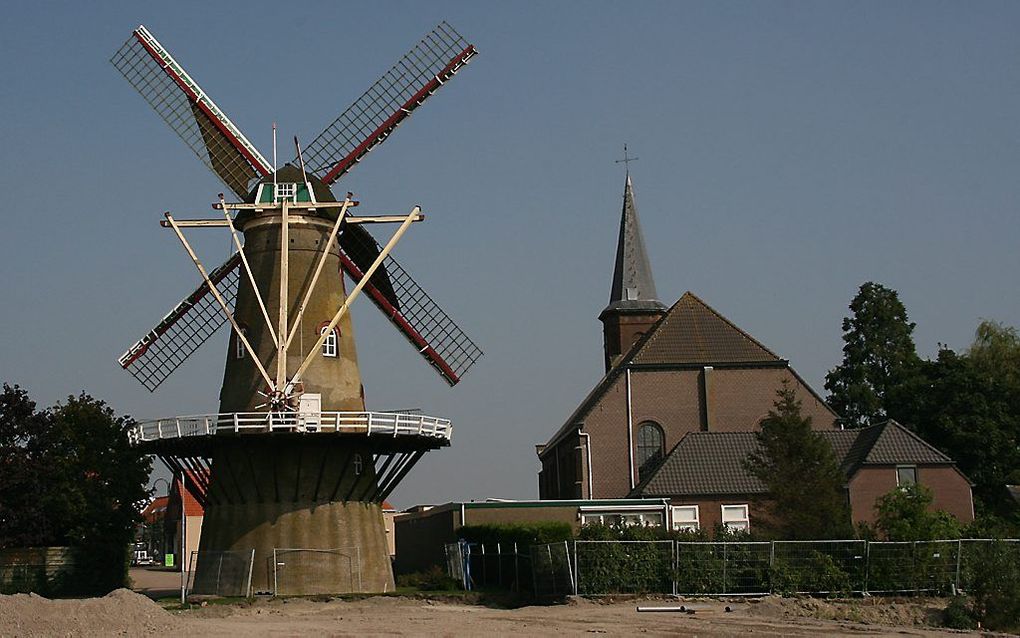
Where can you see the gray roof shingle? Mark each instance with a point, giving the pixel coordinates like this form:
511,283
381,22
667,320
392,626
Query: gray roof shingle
712,463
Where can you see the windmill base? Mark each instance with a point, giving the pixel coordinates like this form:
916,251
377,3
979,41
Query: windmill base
298,504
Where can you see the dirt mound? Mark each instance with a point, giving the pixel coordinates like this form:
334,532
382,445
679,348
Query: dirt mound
918,611
121,612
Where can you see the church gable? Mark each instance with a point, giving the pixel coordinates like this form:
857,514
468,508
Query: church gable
693,333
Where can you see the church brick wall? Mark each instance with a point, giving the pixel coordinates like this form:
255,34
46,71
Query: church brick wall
741,398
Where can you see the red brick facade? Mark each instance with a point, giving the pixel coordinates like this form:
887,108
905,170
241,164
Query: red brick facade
950,489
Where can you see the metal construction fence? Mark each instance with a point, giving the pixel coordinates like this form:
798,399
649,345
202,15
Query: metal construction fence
595,568
226,573
501,565
315,571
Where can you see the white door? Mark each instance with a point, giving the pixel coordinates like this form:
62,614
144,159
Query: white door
308,410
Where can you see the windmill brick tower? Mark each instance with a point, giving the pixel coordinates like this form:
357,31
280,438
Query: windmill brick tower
292,470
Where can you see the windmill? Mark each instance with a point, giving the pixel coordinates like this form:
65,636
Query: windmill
292,459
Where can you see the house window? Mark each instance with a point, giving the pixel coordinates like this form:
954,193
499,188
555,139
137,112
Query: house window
734,517
286,190
685,517
650,446
906,475
357,465
239,344
628,519
329,345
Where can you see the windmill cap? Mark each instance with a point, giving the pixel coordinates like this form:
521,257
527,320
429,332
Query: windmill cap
290,173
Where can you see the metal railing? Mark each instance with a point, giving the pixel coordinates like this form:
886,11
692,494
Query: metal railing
367,423
597,568
222,573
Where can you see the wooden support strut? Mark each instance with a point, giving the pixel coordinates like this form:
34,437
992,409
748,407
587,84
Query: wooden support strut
219,299
251,275
354,293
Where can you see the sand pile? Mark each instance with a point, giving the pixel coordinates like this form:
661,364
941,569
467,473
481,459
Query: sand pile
884,611
121,612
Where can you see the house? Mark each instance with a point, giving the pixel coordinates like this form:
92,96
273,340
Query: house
669,372
184,514
688,380
707,483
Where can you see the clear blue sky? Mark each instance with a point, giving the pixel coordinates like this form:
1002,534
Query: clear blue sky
789,152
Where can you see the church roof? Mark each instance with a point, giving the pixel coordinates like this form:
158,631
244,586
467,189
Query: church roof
633,287
712,463
692,332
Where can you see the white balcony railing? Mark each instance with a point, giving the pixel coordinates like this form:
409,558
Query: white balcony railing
368,423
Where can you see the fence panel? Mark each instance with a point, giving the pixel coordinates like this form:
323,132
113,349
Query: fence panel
316,571
551,570
722,568
226,573
819,566
619,567
977,556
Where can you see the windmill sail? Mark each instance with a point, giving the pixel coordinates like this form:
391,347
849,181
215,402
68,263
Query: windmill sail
183,330
374,115
411,310
190,112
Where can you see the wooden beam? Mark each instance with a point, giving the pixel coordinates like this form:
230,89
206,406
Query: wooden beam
195,223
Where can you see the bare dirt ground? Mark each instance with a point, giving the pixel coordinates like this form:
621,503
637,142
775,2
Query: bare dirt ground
126,613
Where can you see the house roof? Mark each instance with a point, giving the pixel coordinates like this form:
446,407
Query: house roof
197,482
707,463
156,509
633,287
691,333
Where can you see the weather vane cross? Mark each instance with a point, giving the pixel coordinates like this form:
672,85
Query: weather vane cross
627,159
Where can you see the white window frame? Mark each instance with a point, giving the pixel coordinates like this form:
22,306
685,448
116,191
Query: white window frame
691,525
330,346
736,524
239,349
286,190
905,467
624,516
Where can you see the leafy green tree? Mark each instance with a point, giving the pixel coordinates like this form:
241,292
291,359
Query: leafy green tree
904,514
968,406
74,480
879,357
800,469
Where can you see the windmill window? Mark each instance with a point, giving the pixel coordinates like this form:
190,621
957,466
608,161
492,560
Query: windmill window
239,350
286,190
329,346
650,446
358,466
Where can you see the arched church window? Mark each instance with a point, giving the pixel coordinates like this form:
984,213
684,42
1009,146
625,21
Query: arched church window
650,446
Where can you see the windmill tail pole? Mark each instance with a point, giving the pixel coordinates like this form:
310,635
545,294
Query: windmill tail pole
357,291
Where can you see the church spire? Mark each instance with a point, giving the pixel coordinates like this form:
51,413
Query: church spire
633,286
634,305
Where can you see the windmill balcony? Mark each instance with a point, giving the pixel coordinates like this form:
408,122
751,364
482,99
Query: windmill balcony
371,424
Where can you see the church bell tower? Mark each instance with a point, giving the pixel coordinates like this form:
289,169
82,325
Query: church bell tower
633,306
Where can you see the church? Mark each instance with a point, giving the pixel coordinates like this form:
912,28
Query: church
683,393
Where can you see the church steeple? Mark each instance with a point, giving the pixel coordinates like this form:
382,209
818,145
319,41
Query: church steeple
633,303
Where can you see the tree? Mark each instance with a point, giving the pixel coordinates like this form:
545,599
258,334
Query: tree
69,476
904,515
879,357
969,407
801,472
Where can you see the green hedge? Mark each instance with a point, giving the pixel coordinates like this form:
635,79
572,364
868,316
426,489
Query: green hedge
524,534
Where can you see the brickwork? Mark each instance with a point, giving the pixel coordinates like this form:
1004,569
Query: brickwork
741,398
951,491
